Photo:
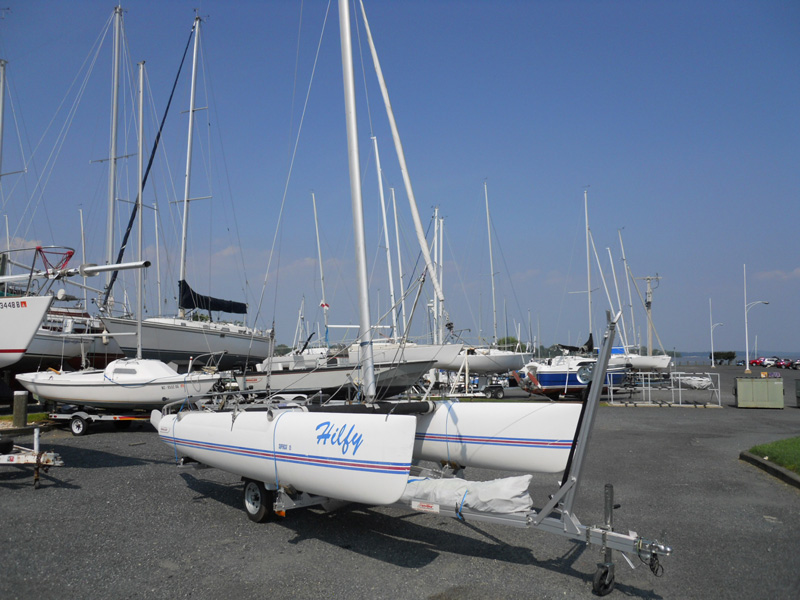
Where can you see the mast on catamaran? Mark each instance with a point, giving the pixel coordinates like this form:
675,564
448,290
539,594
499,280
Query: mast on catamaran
112,156
365,323
323,303
491,266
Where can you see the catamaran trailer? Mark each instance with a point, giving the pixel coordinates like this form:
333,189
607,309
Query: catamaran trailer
12,454
307,478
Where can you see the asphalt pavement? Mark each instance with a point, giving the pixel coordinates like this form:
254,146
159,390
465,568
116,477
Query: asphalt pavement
120,520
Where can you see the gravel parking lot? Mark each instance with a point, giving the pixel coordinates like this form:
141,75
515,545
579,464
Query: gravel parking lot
120,520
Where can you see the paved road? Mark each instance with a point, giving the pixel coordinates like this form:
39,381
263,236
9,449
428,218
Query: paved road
121,521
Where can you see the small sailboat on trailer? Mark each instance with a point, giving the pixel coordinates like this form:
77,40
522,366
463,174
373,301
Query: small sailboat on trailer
292,455
127,383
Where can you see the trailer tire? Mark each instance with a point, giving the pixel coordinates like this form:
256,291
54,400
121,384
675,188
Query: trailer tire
258,501
499,393
603,582
78,425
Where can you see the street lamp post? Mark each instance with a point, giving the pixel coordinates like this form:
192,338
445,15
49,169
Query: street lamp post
747,307
713,327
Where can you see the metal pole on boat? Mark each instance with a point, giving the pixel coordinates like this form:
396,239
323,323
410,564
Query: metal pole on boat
112,162
158,259
83,261
323,303
3,64
401,157
713,327
435,312
491,263
365,324
140,175
188,176
588,262
399,264
386,238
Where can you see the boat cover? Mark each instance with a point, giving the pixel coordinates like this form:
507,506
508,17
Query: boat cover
507,495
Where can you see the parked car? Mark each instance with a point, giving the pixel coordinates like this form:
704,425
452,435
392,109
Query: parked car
784,363
757,362
769,362
740,363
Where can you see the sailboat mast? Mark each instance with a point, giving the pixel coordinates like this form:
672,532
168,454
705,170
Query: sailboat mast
112,156
365,323
187,182
386,238
3,64
435,248
401,157
588,261
323,303
632,334
140,175
399,264
158,259
491,263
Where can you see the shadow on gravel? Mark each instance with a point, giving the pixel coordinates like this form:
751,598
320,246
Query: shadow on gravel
230,495
86,458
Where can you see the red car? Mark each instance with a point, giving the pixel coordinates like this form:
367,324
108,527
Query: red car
784,363
757,362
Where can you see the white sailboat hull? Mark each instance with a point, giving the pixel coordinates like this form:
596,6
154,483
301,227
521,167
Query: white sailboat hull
442,355
180,340
637,362
19,320
527,437
488,362
339,381
357,458
123,384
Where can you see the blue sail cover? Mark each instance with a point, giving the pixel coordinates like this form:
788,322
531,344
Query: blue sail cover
190,299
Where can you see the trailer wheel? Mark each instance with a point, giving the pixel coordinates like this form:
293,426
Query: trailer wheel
258,501
499,393
78,425
603,581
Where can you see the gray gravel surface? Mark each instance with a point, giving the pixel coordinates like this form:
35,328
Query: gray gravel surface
119,520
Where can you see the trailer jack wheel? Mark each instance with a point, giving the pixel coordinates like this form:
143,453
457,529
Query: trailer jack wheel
77,425
258,501
603,581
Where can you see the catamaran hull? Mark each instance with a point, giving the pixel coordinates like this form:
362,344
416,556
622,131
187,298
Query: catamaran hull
357,458
177,340
527,437
19,321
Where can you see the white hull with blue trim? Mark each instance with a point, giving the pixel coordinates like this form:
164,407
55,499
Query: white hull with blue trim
352,457
520,436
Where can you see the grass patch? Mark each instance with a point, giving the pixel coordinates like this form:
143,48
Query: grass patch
32,417
785,453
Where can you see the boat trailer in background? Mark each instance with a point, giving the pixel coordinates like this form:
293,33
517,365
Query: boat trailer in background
12,454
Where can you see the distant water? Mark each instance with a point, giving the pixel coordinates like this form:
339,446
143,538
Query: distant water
740,355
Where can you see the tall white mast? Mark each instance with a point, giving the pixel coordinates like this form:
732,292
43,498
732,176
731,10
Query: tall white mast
632,334
588,262
491,263
365,323
182,277
158,260
440,316
386,238
435,249
83,261
323,302
112,155
140,175
3,64
399,264
401,157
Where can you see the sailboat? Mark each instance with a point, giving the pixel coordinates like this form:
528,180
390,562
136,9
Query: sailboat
126,383
180,339
489,360
362,452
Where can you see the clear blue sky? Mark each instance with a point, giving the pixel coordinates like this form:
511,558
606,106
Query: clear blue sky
681,117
